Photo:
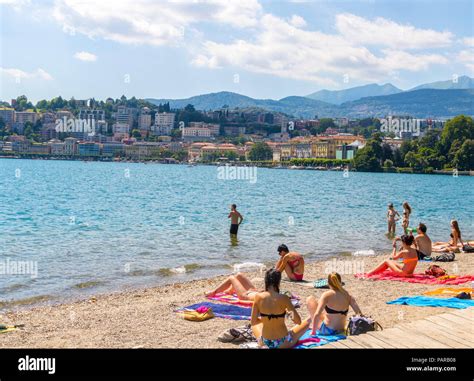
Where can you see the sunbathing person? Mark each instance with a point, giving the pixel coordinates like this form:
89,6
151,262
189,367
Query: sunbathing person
292,263
268,316
454,244
407,253
329,313
238,284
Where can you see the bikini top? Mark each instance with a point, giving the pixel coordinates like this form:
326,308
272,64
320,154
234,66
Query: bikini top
273,316
329,310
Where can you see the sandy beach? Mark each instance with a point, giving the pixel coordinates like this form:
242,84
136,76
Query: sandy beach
145,318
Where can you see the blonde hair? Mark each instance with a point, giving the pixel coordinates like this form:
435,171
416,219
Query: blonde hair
335,282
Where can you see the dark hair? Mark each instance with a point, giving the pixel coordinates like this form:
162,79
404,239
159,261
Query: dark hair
390,205
234,206
272,279
407,239
422,227
283,247
456,227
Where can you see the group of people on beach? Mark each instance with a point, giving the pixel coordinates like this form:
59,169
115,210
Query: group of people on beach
414,248
328,314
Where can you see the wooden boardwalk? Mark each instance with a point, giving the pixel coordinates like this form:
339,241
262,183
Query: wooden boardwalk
449,330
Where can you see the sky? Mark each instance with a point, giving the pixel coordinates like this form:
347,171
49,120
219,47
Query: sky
259,48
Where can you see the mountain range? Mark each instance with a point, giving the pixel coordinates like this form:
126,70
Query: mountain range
440,99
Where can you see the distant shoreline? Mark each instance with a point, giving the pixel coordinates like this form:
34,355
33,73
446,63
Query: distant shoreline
274,165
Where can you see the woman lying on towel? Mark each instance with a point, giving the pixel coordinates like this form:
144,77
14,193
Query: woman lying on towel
407,253
454,244
329,313
238,284
268,316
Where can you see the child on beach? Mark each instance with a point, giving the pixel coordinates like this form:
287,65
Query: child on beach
392,219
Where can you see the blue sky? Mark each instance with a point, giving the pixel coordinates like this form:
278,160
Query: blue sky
263,49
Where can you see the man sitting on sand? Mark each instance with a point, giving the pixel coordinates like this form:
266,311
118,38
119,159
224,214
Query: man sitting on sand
407,253
292,263
422,242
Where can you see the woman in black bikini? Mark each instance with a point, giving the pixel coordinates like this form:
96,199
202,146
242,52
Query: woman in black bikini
268,315
329,313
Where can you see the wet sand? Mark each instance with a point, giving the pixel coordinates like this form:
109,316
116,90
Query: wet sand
145,319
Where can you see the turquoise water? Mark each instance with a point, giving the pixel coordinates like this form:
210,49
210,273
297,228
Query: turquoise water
98,227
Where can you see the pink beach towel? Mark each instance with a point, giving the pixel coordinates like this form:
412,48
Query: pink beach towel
231,299
419,278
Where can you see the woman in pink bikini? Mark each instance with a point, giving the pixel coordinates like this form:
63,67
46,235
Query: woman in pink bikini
292,263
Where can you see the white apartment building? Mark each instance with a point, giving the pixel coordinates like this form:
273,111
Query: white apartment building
164,123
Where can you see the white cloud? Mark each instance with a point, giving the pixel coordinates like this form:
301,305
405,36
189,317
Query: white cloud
20,74
148,21
297,21
85,56
468,41
466,57
384,32
284,50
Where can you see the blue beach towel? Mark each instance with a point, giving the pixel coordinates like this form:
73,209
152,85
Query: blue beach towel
426,301
324,339
225,311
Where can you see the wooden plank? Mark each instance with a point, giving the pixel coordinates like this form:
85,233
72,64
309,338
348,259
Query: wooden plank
450,326
434,330
340,344
389,338
424,339
463,324
369,341
457,318
467,313
413,340
351,344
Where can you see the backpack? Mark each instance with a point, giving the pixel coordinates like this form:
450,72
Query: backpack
435,271
361,324
445,257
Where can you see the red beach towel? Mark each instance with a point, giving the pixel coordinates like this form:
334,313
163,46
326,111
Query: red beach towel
419,278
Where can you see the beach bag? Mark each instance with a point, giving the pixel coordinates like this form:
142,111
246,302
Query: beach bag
436,271
237,335
361,324
468,248
201,314
445,257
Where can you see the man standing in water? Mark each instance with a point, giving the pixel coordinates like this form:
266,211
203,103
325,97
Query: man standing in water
235,220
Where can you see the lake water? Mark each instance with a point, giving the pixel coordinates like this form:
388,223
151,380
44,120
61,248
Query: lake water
98,227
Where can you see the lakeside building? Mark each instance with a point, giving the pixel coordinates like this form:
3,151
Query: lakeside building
190,134
21,118
112,149
8,116
56,147
144,121
164,123
234,130
213,127
318,147
70,146
88,149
